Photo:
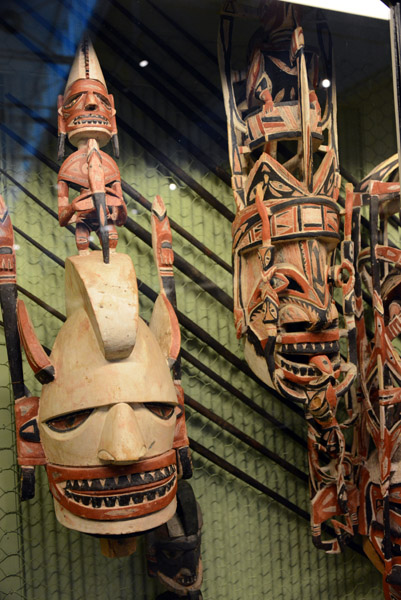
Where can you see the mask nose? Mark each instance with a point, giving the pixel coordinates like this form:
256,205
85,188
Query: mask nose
91,101
121,440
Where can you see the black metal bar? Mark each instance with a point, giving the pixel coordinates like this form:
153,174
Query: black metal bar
133,193
39,246
242,397
41,303
240,435
177,135
224,464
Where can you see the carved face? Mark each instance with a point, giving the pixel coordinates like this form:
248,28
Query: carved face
173,550
87,111
284,302
107,426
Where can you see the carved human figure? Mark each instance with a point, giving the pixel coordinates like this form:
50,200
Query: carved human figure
86,114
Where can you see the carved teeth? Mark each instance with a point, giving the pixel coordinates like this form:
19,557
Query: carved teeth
115,484
123,499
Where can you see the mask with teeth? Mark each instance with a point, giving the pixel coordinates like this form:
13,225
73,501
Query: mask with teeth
86,110
173,550
110,417
107,421
287,223
285,235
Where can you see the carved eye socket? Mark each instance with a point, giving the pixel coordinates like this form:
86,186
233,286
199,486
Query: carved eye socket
103,100
163,411
72,100
69,422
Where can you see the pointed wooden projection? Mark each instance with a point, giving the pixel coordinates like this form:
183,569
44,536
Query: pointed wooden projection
285,178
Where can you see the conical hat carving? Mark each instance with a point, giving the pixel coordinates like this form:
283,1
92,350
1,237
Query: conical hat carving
86,65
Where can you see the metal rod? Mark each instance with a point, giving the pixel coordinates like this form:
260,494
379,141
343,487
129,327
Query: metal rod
133,193
242,397
240,435
41,303
39,246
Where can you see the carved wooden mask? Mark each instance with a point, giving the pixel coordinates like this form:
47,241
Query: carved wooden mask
287,223
107,421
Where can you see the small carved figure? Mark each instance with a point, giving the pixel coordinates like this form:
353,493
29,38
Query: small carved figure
86,114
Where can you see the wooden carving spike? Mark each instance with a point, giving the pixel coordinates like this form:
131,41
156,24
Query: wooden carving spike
164,323
36,356
8,300
29,448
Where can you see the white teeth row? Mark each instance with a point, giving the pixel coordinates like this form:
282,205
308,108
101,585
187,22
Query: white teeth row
323,347
121,499
90,122
302,370
119,483
91,116
187,579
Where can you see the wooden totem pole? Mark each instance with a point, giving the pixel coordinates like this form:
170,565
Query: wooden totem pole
285,178
109,425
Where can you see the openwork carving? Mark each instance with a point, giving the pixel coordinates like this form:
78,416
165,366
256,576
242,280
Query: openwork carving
378,278
285,178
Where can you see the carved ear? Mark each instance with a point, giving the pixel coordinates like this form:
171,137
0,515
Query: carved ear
35,354
164,325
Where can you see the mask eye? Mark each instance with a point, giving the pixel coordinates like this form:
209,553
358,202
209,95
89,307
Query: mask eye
103,100
69,422
71,101
163,411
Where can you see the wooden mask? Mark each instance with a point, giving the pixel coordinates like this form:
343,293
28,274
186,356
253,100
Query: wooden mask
287,223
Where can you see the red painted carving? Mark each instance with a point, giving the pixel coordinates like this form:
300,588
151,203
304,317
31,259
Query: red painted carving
86,114
378,430
285,178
